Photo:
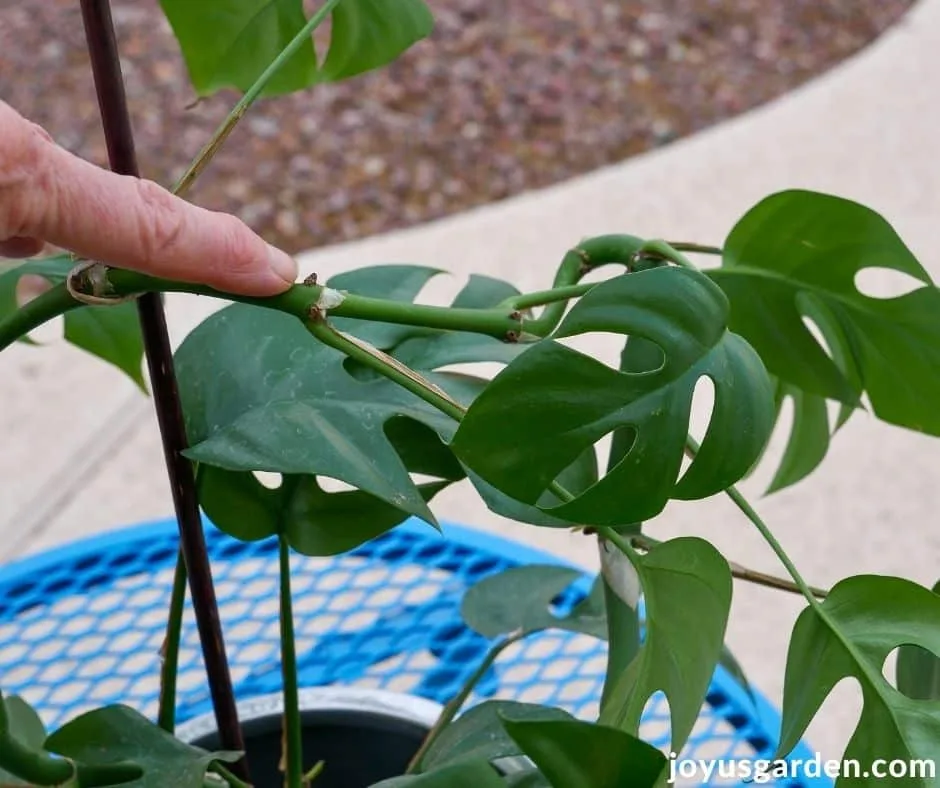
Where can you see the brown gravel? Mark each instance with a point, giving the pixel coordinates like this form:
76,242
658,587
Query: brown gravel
507,96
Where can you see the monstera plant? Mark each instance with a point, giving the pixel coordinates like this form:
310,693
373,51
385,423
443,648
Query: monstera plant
351,380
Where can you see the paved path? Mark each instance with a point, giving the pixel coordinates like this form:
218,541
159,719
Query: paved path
81,454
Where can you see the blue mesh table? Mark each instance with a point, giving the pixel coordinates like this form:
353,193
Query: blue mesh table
81,626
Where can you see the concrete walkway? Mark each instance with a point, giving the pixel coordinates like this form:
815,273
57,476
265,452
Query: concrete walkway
81,453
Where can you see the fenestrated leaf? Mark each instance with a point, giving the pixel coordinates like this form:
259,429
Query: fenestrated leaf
552,403
576,478
809,436
118,735
229,43
577,754
315,521
687,591
918,670
112,333
478,734
26,727
519,599
466,774
850,634
798,252
259,393
367,34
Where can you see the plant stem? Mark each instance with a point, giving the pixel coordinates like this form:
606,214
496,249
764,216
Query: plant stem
37,768
293,758
543,297
454,704
700,248
226,775
577,262
741,572
238,111
385,365
742,503
166,717
663,251
112,100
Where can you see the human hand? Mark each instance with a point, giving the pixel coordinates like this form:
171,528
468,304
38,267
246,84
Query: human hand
48,195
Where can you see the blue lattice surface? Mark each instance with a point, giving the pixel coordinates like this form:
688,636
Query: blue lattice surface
82,626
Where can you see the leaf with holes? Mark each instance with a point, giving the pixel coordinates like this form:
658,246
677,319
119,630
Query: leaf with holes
519,600
118,735
112,333
24,726
577,754
466,774
687,590
849,635
478,733
315,521
918,670
553,403
229,43
260,394
798,253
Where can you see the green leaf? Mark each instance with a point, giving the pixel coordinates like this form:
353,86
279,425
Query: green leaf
479,734
809,436
850,634
466,774
687,590
552,403
229,43
576,478
316,522
26,727
368,34
118,735
259,393
519,600
531,778
110,332
576,754
797,253
918,670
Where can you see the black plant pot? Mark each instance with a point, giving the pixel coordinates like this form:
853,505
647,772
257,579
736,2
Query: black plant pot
362,736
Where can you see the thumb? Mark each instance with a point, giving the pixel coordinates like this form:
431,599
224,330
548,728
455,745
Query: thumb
132,223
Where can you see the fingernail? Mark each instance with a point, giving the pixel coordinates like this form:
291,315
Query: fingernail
282,264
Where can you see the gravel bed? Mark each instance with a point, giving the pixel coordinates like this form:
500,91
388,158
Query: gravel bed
506,96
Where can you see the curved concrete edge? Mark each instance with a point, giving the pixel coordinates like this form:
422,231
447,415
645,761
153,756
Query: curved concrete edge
865,130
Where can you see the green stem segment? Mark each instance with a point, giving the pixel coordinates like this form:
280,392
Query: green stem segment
456,703
166,716
592,253
293,731
36,768
692,448
222,133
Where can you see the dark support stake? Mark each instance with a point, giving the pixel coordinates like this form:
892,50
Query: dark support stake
109,83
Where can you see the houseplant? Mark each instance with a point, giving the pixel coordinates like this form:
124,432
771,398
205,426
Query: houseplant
341,379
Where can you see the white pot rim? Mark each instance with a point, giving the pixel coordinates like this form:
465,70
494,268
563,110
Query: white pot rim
398,705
